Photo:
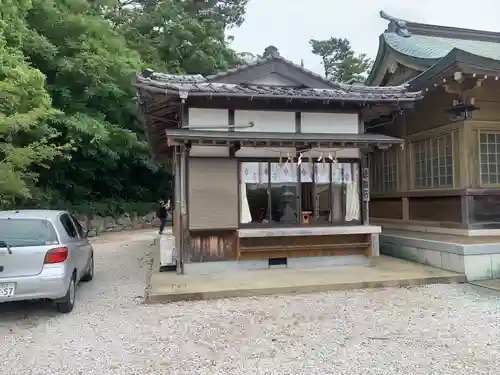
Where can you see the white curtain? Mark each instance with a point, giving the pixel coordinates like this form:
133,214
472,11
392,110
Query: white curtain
306,171
245,216
285,173
322,173
352,211
251,173
336,213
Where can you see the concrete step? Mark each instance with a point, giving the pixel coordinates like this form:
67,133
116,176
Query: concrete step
382,273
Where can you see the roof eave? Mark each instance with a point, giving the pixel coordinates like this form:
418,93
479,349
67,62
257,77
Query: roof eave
440,31
337,99
175,93
251,139
456,59
378,63
414,62
420,63
385,52
452,32
351,94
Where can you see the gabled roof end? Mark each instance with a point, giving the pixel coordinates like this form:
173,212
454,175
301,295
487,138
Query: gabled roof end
406,28
396,25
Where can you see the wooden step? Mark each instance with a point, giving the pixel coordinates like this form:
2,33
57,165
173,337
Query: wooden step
351,245
303,250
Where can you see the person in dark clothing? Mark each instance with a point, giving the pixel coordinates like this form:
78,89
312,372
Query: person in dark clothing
162,215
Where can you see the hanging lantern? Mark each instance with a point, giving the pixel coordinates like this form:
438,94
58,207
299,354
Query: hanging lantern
461,111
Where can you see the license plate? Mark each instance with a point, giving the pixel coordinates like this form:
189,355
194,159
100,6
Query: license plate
7,289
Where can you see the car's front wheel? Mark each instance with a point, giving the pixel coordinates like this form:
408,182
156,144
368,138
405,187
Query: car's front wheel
67,303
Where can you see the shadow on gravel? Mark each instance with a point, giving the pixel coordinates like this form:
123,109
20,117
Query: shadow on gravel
30,313
26,313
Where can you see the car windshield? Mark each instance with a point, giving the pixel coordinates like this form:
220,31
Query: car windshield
26,232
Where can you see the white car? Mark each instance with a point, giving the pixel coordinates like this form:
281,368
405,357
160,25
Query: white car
43,255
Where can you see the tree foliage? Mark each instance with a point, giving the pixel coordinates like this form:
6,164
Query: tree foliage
25,107
67,95
339,61
178,36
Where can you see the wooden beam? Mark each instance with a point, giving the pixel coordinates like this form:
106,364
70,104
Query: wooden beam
234,148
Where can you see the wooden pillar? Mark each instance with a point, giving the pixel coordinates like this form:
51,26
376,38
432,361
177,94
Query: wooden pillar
177,209
184,213
365,189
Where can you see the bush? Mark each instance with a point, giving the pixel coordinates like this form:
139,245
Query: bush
112,207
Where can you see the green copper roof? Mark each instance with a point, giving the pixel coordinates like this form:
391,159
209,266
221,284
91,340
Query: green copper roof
431,49
434,47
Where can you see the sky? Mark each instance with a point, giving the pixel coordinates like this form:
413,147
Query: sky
290,24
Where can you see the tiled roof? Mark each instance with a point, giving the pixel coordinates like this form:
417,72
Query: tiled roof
263,61
423,41
433,47
199,86
429,47
176,78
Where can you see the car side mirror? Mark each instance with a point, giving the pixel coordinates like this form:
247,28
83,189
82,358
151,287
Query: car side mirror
91,233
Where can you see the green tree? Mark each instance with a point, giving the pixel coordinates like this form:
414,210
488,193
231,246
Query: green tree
179,36
89,71
340,63
25,141
68,99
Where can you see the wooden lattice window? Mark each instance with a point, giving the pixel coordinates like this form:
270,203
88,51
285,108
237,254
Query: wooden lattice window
489,149
390,163
433,162
384,170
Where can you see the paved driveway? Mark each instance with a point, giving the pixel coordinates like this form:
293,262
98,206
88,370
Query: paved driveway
440,329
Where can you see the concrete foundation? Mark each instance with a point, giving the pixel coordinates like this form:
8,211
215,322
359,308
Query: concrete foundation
382,272
166,254
207,268
302,275
478,258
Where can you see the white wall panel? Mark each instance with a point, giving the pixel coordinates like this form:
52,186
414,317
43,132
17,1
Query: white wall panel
334,123
266,121
336,152
209,151
262,152
209,117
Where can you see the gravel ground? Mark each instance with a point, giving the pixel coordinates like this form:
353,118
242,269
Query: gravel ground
439,329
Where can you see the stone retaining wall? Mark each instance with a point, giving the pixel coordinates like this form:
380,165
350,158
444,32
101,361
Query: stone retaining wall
126,221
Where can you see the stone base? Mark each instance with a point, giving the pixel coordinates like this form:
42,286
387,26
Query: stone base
478,261
165,287
207,268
